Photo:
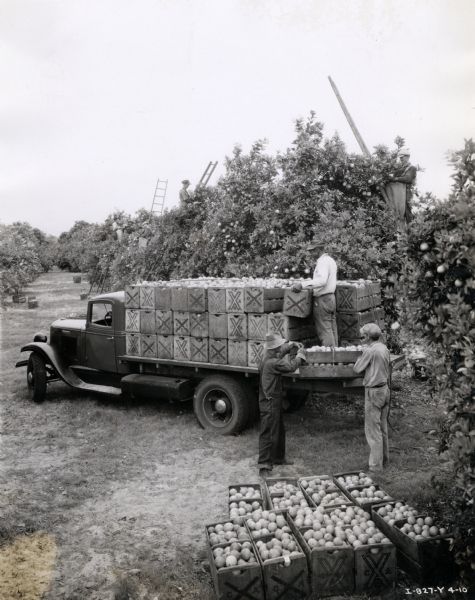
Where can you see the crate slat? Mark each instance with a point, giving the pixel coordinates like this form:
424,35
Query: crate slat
181,323
237,327
148,346
218,351
165,346
164,322
297,304
199,326
198,349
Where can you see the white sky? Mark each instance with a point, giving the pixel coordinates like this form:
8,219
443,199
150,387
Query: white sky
100,97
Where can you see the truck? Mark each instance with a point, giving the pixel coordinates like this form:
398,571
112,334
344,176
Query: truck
90,354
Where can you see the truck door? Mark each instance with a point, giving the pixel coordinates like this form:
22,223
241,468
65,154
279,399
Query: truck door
100,347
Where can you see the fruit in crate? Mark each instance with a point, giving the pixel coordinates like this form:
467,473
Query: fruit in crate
397,512
289,501
234,555
422,528
353,480
242,508
241,493
315,484
325,498
285,546
369,494
282,487
267,522
222,533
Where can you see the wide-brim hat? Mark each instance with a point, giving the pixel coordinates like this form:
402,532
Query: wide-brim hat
186,181
404,152
273,341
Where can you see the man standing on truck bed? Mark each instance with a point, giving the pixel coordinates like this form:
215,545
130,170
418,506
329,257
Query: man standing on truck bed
272,431
323,283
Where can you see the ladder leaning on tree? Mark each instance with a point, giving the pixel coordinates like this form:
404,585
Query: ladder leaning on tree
159,197
203,182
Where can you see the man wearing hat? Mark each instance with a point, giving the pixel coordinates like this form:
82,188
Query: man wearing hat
272,431
323,283
375,363
185,196
400,187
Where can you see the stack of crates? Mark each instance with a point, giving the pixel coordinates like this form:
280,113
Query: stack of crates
357,303
215,321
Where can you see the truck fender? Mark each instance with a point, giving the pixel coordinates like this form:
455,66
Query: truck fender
48,353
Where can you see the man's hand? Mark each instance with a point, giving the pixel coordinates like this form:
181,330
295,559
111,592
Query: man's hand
296,287
301,354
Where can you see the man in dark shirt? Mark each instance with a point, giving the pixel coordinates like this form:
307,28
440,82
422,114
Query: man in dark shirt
375,363
399,190
272,431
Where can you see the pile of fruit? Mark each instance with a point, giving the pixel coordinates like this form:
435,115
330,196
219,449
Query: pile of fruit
242,508
267,522
223,533
234,555
323,492
371,494
354,480
286,547
286,496
421,528
398,511
244,493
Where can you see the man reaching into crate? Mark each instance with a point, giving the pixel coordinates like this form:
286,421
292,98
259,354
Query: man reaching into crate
272,431
375,363
323,283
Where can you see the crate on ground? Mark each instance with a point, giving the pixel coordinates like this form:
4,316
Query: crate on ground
226,532
255,353
235,300
132,344
147,296
237,353
327,371
245,491
179,299
351,479
148,345
76,278
297,304
217,300
163,298
321,491
147,321
132,296
181,347
197,299
164,322
290,328
32,302
132,320
237,326
284,576
165,346
199,326
375,568
263,300
237,581
181,323
354,296
218,325
359,487
218,351
349,324
83,296
256,326
283,493
241,510
198,349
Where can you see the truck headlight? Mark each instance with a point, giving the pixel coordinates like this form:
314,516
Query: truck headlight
40,337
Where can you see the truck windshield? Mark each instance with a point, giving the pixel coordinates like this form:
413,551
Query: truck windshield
101,314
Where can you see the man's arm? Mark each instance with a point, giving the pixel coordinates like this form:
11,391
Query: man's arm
363,361
320,275
408,177
289,365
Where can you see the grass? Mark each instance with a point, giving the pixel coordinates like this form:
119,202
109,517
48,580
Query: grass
126,489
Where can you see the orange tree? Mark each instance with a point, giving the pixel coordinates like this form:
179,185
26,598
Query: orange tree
439,307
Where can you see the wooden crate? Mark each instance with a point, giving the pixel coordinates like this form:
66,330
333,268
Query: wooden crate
163,298
199,324
197,300
349,324
297,304
440,572
256,326
331,569
218,351
237,326
132,320
290,328
76,278
165,346
255,353
148,346
147,296
181,347
147,321
235,300
327,371
350,298
179,299
332,356
263,300
181,323
216,300
375,568
132,296
199,349
132,344
164,322
218,325
236,583
237,353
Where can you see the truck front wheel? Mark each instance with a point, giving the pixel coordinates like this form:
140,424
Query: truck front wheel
36,377
221,404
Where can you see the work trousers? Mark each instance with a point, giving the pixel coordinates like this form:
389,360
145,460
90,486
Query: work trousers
272,432
324,319
376,426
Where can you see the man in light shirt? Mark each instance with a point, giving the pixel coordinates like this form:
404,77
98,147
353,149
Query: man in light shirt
323,283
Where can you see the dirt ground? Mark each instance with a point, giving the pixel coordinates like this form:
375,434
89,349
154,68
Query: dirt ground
104,500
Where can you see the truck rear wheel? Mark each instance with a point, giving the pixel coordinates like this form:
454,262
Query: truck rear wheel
36,377
221,404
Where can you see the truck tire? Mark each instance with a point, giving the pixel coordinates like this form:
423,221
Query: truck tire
221,404
36,377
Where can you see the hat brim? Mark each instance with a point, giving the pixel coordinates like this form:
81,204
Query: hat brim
274,345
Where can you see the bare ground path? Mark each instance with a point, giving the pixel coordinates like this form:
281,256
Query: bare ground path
123,492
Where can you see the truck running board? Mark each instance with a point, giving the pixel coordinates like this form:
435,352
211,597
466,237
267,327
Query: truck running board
70,377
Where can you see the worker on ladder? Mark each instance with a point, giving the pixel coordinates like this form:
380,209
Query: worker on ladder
185,196
400,189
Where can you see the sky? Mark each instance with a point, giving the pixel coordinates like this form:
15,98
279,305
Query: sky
100,98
